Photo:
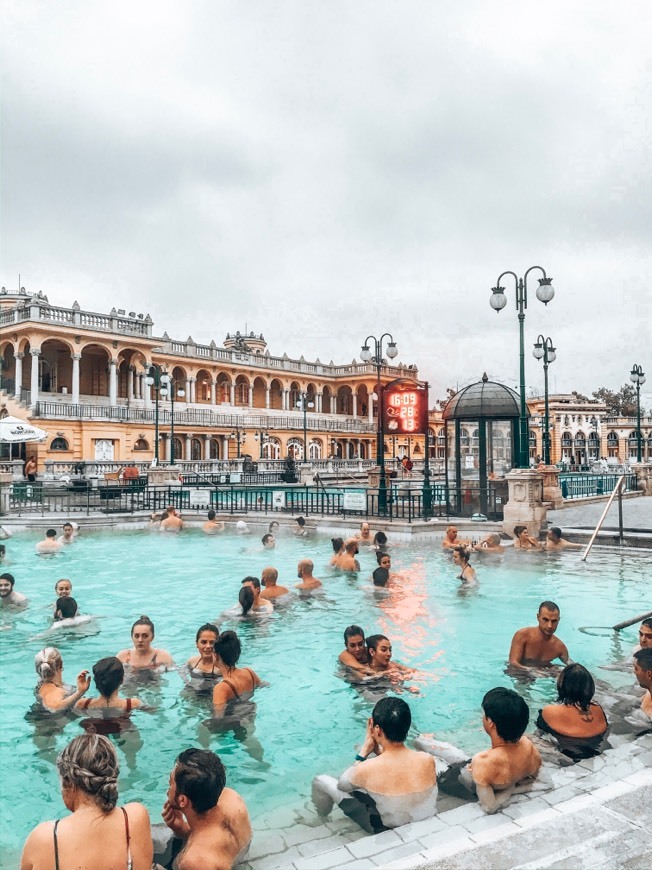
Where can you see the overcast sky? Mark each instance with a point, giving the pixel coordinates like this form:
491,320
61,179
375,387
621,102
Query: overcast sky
319,171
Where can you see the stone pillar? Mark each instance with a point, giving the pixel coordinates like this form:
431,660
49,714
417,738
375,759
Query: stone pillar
18,386
551,488
643,477
188,394
318,398
6,480
75,377
113,382
355,404
371,411
147,394
251,396
188,451
193,389
207,446
35,352
525,505
232,390
267,398
225,447
213,393
130,383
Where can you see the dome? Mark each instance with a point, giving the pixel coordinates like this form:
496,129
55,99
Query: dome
483,400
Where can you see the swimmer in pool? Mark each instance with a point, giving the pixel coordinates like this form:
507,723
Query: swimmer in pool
212,526
643,674
380,541
379,650
524,541
364,534
355,654
109,674
203,667
338,550
304,573
451,540
269,541
537,646
645,635
467,574
9,598
260,605
49,544
237,684
490,544
347,561
495,774
273,528
554,541
68,535
171,523
144,655
63,588
53,693
272,590
65,608
389,785
299,527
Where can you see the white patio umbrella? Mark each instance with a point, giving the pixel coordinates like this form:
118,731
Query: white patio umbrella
15,431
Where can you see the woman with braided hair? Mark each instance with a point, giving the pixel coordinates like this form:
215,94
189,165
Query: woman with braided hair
51,691
97,835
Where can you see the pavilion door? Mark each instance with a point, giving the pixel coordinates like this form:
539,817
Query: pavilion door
103,450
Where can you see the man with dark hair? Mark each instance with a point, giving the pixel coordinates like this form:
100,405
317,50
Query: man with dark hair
211,819
643,673
8,597
269,541
395,787
381,577
495,774
49,544
645,635
65,608
355,655
537,646
212,526
259,603
554,541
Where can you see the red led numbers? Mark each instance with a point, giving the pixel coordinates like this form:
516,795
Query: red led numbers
405,409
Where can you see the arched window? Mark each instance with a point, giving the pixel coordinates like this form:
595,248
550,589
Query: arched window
295,449
612,439
314,449
178,448
215,448
272,448
141,444
195,449
567,440
59,443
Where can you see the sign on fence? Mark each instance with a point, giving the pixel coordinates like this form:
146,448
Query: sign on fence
278,499
355,501
200,496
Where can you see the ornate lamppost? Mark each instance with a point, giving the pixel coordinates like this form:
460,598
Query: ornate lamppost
544,350
637,377
303,404
240,436
366,355
545,292
263,437
159,380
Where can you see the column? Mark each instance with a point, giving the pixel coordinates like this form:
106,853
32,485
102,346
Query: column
19,375
147,393
139,386
75,377
193,386
267,396
225,447
130,384
286,400
251,396
318,398
163,447
188,448
371,410
188,393
213,393
113,382
233,394
35,352
207,446
355,404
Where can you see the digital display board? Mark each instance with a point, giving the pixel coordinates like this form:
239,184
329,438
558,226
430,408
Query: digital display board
405,408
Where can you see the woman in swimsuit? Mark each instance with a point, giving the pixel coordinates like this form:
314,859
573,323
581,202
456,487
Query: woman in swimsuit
238,684
97,833
338,550
109,674
202,669
461,559
576,721
143,655
53,693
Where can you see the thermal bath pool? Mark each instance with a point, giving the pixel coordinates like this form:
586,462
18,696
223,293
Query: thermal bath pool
308,721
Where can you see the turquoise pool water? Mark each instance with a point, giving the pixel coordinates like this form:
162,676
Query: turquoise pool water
308,720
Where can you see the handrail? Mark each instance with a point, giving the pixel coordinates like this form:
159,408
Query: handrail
617,488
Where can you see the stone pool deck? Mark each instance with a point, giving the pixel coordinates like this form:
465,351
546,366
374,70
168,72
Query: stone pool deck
598,814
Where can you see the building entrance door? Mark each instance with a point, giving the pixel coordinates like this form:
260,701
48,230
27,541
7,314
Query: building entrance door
103,450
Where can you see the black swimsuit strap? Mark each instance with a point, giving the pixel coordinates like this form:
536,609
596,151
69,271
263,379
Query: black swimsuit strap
56,846
233,688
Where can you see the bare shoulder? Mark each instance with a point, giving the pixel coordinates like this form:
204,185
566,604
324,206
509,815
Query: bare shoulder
41,834
123,655
233,802
483,767
137,813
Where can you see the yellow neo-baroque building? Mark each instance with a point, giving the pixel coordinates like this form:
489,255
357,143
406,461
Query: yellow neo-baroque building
81,376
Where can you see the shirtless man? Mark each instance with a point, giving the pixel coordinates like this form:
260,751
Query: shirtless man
643,673
364,535
355,655
212,819
525,541
49,544
68,536
645,635
260,603
272,590
269,541
379,650
172,523
554,541
451,539
538,645
490,544
9,598
509,766
212,526
304,572
347,561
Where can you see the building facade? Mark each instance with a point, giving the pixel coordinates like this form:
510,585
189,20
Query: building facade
82,377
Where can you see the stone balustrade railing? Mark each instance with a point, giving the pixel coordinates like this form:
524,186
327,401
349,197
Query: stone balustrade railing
114,322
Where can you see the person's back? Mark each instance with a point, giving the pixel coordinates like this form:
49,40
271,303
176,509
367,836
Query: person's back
272,590
224,837
171,523
502,766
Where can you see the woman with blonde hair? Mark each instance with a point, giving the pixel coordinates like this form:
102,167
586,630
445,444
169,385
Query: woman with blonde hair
97,834
51,691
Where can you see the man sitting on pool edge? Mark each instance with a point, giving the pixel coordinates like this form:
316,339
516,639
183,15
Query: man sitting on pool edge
537,646
495,774
395,787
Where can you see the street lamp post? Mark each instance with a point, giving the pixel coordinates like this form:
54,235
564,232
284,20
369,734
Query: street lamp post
637,376
366,355
263,436
303,404
240,435
545,292
174,392
544,350
160,381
